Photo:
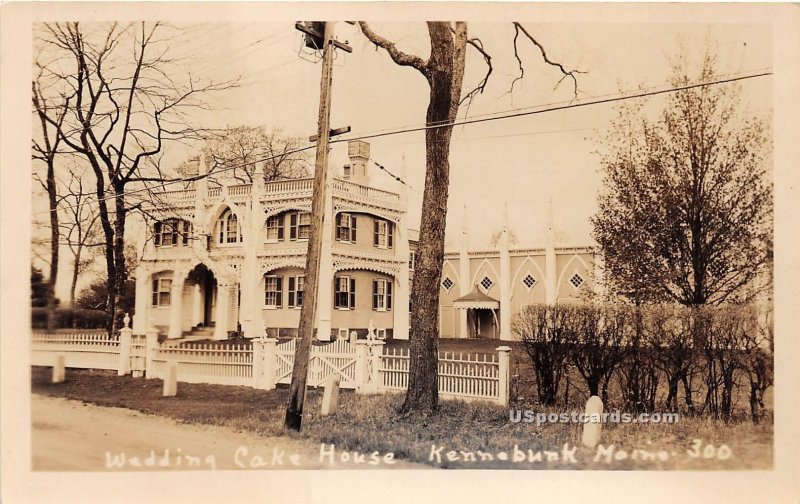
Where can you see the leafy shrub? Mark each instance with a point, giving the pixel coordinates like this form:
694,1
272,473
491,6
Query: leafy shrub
69,318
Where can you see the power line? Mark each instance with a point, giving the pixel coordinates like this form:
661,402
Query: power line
621,97
554,108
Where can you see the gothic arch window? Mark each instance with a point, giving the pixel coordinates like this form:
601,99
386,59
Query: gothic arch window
229,228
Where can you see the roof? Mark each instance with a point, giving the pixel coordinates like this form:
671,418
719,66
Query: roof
476,299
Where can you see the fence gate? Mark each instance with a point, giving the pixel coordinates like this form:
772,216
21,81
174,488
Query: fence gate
333,359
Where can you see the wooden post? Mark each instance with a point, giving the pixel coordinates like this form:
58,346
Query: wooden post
297,389
151,343
171,380
59,369
125,348
593,426
330,398
504,353
361,376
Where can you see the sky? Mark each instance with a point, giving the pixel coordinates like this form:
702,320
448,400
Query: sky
522,162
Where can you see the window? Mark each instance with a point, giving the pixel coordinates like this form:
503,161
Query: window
346,227
412,261
486,283
383,234
296,285
299,226
447,283
162,288
172,232
275,228
347,171
382,295
228,229
529,281
344,293
273,291
576,280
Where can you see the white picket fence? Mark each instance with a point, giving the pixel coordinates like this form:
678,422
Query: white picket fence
81,350
463,376
263,363
332,359
217,363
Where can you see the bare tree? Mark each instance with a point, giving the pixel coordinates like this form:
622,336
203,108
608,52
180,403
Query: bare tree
80,230
597,336
126,103
50,113
544,331
444,72
672,328
233,153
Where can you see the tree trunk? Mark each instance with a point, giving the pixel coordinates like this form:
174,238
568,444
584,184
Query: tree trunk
120,271
423,383
54,245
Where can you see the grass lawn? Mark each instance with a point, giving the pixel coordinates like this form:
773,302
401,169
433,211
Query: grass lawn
369,423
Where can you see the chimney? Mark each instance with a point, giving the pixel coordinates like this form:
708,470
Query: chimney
356,170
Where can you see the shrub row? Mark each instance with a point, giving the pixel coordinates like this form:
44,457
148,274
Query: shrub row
652,351
73,318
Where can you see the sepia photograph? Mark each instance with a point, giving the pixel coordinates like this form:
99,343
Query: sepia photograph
548,246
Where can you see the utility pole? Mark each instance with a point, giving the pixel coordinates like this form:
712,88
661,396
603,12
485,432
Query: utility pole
305,332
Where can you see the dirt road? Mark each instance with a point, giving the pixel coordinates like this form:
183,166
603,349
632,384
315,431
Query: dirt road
73,436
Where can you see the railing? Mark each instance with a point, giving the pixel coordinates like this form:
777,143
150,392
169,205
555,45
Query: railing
81,350
240,190
470,376
214,192
213,363
263,363
364,192
180,197
289,186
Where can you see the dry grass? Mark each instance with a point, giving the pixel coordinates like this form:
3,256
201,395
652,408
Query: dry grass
369,423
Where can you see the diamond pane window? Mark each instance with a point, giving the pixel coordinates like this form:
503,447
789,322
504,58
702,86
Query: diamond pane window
529,281
447,283
486,283
576,280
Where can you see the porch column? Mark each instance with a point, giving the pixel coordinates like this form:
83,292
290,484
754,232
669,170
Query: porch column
221,327
197,299
250,317
141,320
176,308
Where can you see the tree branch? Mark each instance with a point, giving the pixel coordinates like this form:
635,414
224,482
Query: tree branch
518,28
398,56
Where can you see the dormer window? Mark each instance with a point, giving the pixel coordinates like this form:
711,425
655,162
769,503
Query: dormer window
346,227
228,228
383,234
299,226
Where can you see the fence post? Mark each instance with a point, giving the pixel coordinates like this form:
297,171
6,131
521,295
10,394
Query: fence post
361,367
125,348
504,353
264,363
151,343
375,355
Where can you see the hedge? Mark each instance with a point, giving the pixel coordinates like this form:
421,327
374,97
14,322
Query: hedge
77,318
